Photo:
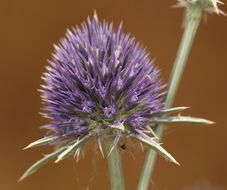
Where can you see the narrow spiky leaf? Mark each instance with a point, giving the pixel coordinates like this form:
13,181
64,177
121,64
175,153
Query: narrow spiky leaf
42,141
41,162
180,119
174,110
77,154
73,147
116,139
100,145
152,131
155,146
118,126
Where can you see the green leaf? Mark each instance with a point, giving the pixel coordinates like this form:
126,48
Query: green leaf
180,119
73,147
156,147
42,141
41,162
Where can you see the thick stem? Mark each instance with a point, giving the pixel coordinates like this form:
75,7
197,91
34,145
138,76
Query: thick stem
193,17
115,166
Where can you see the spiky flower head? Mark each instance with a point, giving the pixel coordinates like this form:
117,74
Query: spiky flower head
99,83
207,6
102,84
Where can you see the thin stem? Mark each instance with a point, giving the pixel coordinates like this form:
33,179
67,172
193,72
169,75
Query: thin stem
115,166
193,17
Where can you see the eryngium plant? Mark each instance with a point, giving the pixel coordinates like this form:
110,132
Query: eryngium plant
102,84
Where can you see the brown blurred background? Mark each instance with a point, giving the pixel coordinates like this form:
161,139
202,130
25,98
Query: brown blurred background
28,31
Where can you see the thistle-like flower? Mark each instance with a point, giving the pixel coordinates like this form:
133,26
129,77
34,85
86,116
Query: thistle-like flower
208,6
102,84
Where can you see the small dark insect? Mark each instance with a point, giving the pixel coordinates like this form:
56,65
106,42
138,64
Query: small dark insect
123,146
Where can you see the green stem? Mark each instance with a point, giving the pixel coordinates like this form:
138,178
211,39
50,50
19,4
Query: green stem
193,17
115,166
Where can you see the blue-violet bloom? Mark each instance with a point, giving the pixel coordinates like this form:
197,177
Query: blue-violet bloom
101,83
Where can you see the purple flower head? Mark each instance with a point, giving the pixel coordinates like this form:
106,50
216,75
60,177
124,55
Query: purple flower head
101,83
98,78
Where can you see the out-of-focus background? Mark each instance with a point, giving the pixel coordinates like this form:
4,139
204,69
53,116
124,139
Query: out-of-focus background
28,31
